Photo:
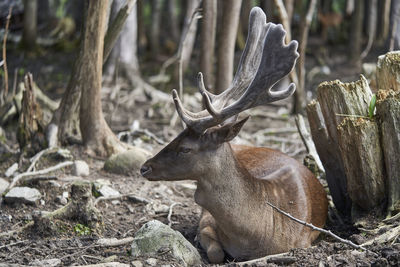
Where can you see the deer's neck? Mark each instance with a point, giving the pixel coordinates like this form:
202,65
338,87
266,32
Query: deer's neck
226,187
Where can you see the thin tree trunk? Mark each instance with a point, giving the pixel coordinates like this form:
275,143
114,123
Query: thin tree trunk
30,24
187,49
173,20
142,38
226,43
208,31
384,22
394,38
372,21
96,135
303,45
356,32
289,4
156,6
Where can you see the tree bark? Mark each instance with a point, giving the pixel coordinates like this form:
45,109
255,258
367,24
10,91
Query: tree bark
363,161
388,71
384,21
372,24
208,31
96,135
356,33
173,20
388,110
226,43
154,39
187,48
329,154
394,32
30,24
124,53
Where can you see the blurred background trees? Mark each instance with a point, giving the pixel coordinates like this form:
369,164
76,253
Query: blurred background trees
336,38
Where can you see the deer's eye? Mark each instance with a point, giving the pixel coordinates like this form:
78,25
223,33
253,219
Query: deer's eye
184,150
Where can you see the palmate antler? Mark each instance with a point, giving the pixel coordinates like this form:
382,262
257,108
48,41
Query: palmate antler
265,61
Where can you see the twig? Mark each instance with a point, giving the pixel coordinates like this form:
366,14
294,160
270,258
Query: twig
349,115
114,242
308,142
13,244
36,158
19,230
345,241
5,92
40,178
170,222
41,172
387,236
262,259
392,219
130,195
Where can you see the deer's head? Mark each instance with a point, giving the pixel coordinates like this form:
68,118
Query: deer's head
265,61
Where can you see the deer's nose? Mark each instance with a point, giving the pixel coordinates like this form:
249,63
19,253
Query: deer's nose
145,169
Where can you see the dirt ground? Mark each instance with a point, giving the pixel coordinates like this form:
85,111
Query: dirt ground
125,216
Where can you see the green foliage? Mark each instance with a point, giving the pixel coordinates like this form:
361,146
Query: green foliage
81,229
371,109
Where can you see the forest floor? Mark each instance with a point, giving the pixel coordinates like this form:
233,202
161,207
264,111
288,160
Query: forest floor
270,126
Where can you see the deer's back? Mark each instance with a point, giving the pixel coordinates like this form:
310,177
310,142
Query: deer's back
299,183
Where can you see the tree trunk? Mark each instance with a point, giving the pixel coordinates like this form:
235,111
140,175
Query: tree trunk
372,21
173,20
187,48
96,135
394,32
384,21
30,24
356,33
124,53
208,30
226,43
156,6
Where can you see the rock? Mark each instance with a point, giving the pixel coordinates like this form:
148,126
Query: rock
22,195
155,237
156,207
11,170
107,191
80,168
136,264
47,262
61,200
3,185
127,162
62,154
151,261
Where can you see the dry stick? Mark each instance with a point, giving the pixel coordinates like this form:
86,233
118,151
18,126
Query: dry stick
170,214
264,259
132,195
36,158
41,172
13,244
307,140
114,242
19,230
345,241
5,92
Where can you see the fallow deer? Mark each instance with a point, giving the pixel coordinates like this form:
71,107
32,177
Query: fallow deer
234,182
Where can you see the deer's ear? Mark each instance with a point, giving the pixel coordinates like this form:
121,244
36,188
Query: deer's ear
229,131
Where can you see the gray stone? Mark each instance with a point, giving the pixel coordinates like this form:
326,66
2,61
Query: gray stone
11,170
22,195
127,162
136,264
151,261
3,185
47,262
61,200
155,238
80,168
62,153
107,191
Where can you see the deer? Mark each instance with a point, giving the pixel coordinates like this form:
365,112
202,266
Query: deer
235,182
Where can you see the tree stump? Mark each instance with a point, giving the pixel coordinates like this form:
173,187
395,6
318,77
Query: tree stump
363,161
388,71
329,154
388,112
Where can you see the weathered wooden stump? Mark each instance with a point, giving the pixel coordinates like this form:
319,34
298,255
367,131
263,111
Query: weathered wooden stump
388,112
363,161
360,152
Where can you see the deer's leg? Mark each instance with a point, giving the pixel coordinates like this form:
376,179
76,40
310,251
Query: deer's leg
209,239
